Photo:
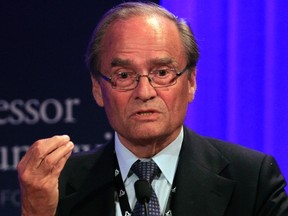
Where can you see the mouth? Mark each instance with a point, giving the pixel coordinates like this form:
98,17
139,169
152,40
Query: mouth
145,113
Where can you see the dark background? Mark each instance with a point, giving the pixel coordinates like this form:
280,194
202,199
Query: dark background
45,88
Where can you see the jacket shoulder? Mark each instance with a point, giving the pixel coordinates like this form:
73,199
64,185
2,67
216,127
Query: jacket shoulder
80,166
230,151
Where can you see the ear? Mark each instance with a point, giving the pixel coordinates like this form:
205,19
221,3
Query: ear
192,85
97,92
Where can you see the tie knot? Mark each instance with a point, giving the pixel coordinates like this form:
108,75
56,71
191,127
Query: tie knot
145,170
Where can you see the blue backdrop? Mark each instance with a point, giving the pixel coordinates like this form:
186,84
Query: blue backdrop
242,93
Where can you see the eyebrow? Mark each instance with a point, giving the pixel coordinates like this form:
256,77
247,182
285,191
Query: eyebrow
157,61
162,61
120,62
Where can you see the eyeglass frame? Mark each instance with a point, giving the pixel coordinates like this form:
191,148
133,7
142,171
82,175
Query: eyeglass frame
137,79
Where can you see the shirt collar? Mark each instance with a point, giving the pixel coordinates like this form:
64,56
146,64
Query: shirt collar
166,159
125,157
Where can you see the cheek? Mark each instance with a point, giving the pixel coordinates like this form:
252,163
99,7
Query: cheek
178,103
114,105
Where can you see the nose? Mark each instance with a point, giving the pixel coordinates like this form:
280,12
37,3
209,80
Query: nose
144,90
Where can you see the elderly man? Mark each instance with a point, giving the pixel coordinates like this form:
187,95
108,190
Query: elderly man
142,61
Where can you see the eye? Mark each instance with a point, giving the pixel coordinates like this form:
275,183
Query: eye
162,73
123,75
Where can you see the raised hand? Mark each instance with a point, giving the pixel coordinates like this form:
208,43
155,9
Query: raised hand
39,171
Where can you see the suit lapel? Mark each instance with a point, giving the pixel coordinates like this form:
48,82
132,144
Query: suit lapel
200,189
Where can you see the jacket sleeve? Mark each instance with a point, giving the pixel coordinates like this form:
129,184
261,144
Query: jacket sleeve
271,195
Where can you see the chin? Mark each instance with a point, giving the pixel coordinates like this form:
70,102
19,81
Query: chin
148,135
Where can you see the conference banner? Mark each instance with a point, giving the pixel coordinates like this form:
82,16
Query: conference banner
45,87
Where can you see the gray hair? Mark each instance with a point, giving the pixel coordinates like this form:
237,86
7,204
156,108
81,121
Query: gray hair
127,10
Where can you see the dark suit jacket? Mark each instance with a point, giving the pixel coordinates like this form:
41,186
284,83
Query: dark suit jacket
213,178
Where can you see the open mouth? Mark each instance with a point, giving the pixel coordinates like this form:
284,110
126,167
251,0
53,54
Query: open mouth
144,113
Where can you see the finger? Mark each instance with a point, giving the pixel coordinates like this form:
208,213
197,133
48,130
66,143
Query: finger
44,147
50,144
52,159
35,154
60,165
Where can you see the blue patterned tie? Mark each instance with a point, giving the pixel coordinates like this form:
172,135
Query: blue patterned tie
147,170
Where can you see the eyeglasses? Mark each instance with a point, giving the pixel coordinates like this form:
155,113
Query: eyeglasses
158,78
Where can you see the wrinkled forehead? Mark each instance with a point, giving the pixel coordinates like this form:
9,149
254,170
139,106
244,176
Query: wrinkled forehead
142,33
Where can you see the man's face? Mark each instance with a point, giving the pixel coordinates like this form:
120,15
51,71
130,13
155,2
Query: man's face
145,114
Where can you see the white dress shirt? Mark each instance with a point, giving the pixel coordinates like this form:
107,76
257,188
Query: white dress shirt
166,160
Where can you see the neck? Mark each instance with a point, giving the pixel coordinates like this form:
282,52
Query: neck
147,148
